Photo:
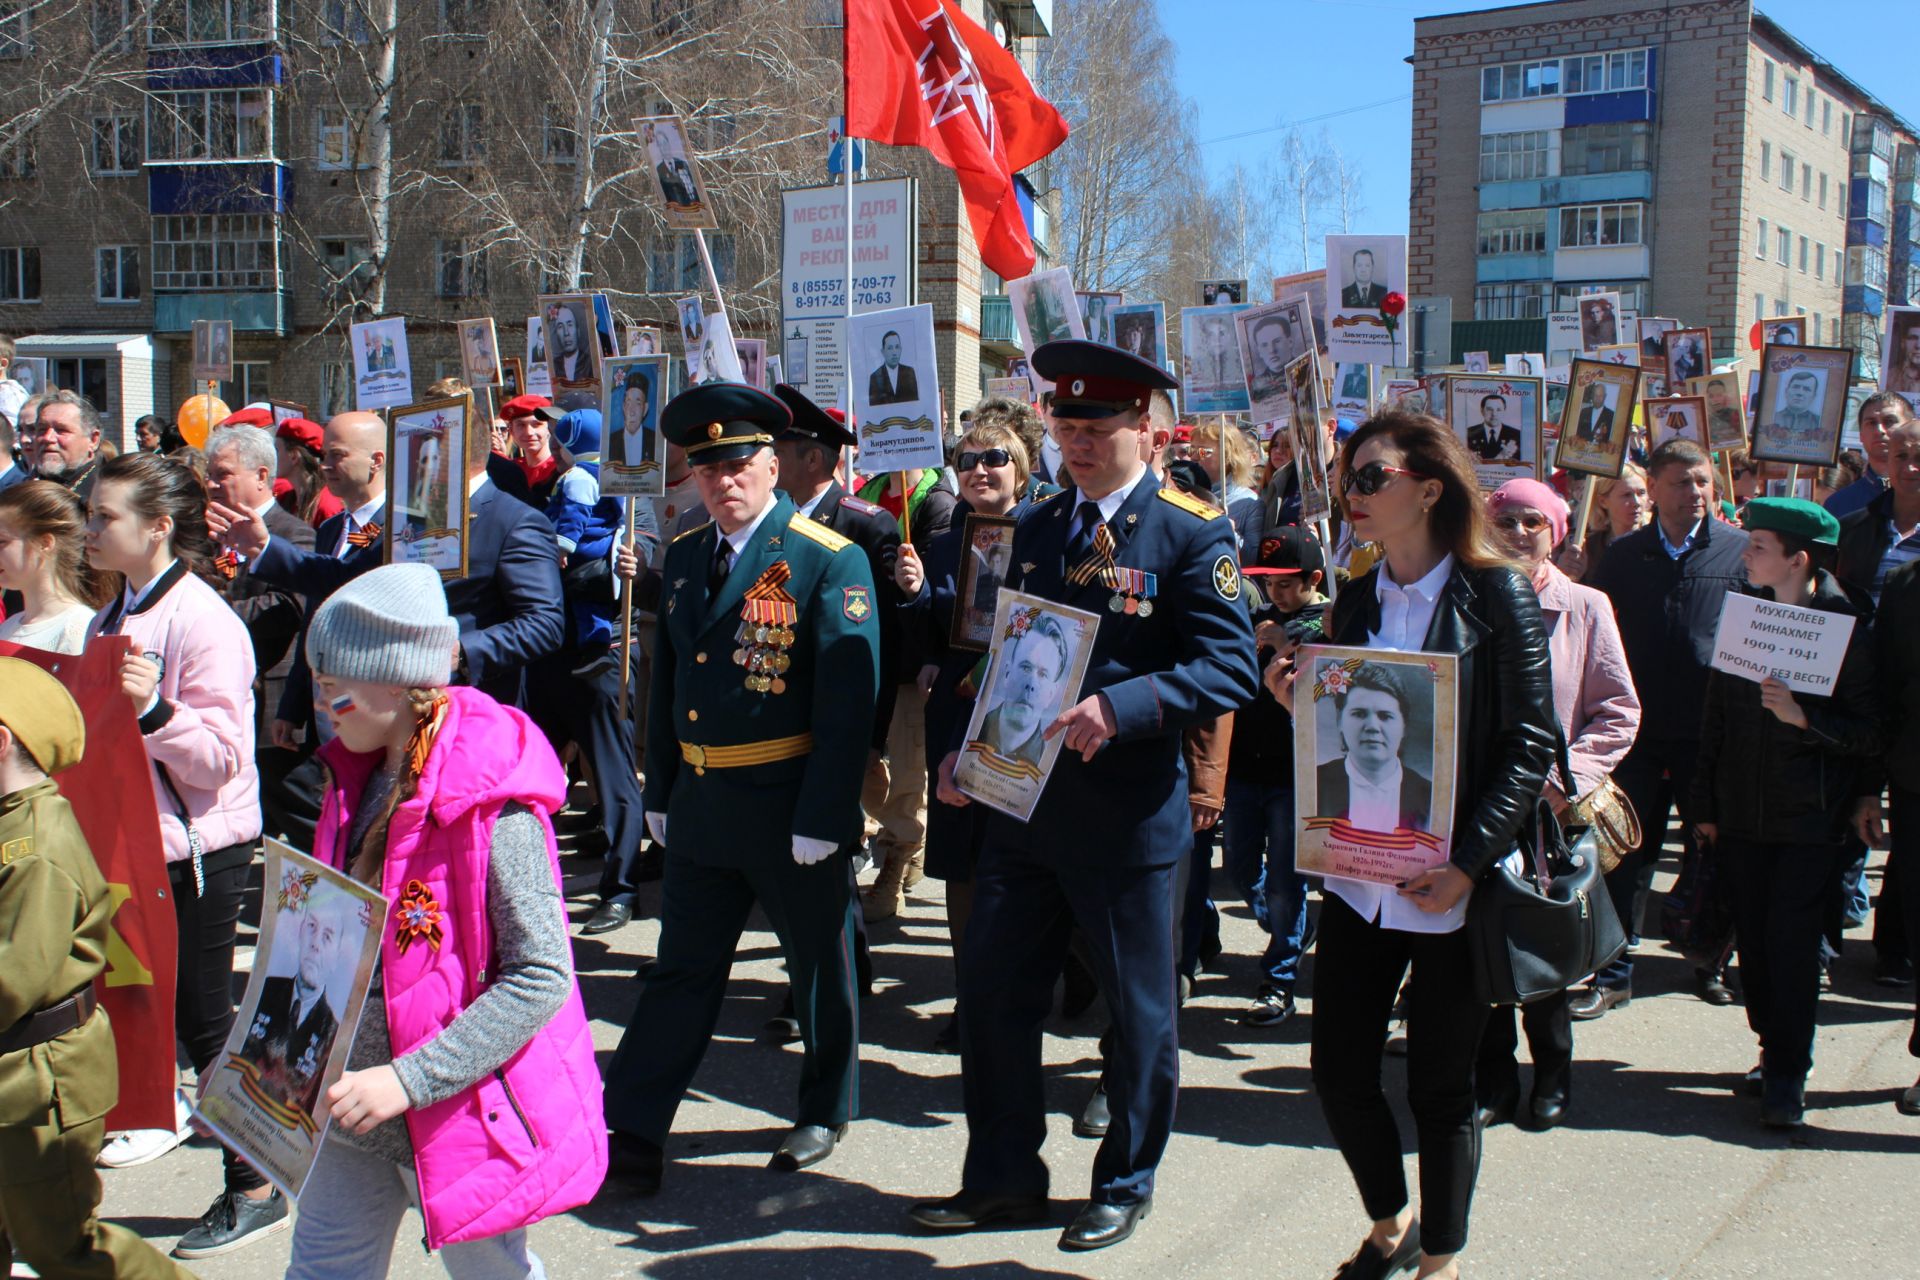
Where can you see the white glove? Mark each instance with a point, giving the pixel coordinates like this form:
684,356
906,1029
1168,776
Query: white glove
657,826
807,850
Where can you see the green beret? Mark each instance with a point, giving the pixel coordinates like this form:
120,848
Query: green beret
719,421
41,715
1795,517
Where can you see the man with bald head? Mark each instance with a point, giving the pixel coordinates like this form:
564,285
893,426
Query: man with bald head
508,605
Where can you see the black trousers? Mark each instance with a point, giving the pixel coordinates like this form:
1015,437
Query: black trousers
208,924
1903,821
586,710
1549,1025
1780,894
1360,968
292,785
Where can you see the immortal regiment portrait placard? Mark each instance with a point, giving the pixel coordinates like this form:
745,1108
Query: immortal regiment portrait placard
1783,331
537,380
572,343
1675,418
1374,743
1038,660
752,355
1221,293
1308,431
212,353
1364,273
1140,329
319,938
1597,418
1498,419
382,372
1096,313
1801,648
719,356
1010,389
1900,356
1271,337
1802,403
1526,364
1352,390
1653,340
427,485
1599,321
1726,415
984,562
1689,355
1477,362
479,352
644,340
896,389
683,197
633,391
1212,377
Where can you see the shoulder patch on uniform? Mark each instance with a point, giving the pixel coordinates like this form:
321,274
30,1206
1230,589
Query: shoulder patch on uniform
1226,578
15,850
1190,505
814,531
678,537
861,505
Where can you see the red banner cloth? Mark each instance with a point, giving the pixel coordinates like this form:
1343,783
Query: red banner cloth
920,73
113,801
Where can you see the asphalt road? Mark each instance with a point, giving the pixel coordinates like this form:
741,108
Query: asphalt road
1662,1170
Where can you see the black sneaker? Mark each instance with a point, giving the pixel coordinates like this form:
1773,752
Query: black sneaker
1269,1009
231,1221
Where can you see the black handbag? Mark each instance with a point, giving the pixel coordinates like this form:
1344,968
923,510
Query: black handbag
1538,931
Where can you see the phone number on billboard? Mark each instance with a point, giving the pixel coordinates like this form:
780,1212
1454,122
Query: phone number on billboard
829,295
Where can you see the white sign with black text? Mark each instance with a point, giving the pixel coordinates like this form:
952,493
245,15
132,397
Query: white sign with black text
1801,648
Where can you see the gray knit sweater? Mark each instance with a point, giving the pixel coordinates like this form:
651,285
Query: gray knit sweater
535,974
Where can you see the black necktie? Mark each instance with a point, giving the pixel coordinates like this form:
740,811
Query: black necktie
1080,537
722,565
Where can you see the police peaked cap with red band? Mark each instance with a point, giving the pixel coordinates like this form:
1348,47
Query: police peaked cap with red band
1093,380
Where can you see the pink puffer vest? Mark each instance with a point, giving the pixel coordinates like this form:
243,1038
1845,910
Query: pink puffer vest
530,1140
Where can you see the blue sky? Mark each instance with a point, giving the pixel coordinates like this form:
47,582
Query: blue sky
1248,65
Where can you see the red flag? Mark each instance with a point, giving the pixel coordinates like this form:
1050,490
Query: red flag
922,74
113,801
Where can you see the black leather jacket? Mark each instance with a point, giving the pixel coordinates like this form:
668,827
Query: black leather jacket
1506,731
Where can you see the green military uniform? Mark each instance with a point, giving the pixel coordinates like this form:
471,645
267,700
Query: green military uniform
55,1090
758,724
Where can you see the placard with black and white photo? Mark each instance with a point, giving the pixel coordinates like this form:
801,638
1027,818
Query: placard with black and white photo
1653,340
1212,376
1689,355
1361,272
1900,352
1784,331
984,562
1498,419
1045,308
1140,329
212,351
479,352
1726,416
427,497
382,369
538,381
1096,313
1596,419
633,392
1271,337
1221,293
676,181
896,404
1802,404
1600,322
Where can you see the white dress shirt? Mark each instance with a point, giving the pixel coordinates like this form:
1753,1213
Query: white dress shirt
1406,615
1110,505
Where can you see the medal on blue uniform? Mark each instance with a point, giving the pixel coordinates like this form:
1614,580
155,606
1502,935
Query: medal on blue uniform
767,615
1133,590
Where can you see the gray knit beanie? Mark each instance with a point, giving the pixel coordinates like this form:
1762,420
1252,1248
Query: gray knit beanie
387,626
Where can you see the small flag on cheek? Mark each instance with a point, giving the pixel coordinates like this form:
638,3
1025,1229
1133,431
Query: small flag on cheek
341,705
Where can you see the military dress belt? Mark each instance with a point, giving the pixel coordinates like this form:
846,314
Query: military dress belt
745,753
48,1024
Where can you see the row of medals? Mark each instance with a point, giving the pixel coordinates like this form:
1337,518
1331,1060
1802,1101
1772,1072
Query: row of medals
763,652
1130,591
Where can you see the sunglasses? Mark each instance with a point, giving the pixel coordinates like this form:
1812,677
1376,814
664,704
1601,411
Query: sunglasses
1532,522
1372,478
989,458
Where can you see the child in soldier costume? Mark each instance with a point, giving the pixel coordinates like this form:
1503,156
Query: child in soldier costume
58,1074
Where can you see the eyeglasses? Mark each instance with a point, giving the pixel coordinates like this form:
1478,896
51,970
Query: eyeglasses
1531,521
988,458
1372,478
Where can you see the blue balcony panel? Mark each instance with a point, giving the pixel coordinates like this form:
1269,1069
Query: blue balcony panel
1858,299
1499,268
1610,108
1573,188
227,66
256,311
249,187
1862,231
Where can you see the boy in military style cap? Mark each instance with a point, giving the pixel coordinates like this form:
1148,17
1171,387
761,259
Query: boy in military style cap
1102,849
764,676
58,1073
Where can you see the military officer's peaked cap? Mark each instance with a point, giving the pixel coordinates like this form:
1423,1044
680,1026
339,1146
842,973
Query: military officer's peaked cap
1093,380
41,714
721,421
810,421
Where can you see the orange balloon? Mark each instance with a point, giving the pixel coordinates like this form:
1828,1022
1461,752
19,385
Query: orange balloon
197,416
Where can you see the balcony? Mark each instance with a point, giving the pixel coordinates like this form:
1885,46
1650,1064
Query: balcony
996,324
1572,188
1029,18
251,312
1603,262
1499,268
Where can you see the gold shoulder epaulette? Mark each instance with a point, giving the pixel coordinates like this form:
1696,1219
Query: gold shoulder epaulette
689,533
1191,505
1046,497
817,532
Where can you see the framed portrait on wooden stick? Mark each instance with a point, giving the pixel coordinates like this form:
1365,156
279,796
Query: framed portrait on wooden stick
1802,403
1596,419
427,449
986,555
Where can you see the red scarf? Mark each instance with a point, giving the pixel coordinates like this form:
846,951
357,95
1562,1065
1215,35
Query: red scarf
538,473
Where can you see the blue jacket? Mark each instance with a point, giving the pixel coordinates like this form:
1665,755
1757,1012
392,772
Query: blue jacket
1188,662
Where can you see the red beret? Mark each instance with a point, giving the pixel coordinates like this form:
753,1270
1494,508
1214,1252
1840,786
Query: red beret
302,431
1183,434
523,406
248,418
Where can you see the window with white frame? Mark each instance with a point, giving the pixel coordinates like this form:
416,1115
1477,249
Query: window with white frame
1513,300
1819,261
1513,231
1552,77
462,269
1867,266
1823,191
1810,97
252,382
1519,80
1760,246
1606,72
185,22
1786,169
1590,225
19,274
1766,162
117,273
1766,82
1783,246
348,264
210,124
1826,116
461,139
1806,249
116,145
1505,156
1790,95
343,138
1806,181
216,252
1606,148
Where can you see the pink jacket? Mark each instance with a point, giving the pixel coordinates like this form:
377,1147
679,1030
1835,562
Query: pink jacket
1593,695
206,744
529,1140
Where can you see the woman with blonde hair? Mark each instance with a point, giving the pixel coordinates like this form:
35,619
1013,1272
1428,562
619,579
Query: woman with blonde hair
1227,456
1620,506
43,556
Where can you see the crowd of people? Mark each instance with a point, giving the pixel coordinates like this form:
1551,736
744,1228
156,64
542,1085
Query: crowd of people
793,712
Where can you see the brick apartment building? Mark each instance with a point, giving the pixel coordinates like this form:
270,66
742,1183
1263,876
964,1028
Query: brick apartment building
228,159
1693,156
